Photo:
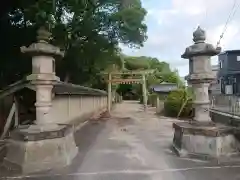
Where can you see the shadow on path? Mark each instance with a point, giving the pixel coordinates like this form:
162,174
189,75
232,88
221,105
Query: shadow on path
84,138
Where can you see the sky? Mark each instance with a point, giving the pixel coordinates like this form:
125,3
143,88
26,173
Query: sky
172,22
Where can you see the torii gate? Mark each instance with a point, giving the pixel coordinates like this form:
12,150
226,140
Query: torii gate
142,80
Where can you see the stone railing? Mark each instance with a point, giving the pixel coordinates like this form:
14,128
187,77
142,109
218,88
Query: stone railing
226,103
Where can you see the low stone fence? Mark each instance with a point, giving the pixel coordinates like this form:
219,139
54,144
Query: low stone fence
75,109
74,104
71,104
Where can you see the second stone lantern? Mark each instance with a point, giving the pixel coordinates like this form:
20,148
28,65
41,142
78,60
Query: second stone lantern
200,136
200,73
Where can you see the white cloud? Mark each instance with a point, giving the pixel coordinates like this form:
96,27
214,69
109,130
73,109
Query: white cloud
170,28
199,7
189,7
231,32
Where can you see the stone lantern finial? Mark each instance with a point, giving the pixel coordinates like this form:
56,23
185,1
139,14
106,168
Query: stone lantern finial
43,35
199,35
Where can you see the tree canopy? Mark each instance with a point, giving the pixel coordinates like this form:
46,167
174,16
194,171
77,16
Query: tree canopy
162,73
162,69
89,31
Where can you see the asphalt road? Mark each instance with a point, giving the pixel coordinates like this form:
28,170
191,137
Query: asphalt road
134,145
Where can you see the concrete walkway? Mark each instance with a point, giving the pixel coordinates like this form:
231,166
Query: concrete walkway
133,145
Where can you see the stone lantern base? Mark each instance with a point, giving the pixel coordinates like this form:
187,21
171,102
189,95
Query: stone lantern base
205,140
38,148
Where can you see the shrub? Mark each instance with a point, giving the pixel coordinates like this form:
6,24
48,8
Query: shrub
174,102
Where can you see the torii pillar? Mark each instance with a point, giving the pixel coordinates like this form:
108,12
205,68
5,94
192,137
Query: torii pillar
144,91
109,103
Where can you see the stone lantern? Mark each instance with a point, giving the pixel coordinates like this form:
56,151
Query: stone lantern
43,73
200,73
200,136
43,145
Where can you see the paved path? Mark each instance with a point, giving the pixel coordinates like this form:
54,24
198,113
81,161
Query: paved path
134,145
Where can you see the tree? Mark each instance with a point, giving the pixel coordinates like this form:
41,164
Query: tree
88,30
136,63
162,72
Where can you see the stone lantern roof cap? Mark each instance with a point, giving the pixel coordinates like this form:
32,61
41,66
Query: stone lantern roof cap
42,47
200,48
199,35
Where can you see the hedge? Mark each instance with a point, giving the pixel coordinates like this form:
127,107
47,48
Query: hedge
174,102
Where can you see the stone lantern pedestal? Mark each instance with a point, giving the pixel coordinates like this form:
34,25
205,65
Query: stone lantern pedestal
44,145
201,137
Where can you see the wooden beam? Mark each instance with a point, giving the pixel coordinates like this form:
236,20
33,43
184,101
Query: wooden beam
8,122
140,72
125,81
16,123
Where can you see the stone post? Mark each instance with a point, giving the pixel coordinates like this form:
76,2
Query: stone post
158,108
98,103
200,73
101,101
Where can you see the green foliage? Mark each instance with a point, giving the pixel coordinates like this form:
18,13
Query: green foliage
162,69
136,63
162,73
89,32
174,102
159,66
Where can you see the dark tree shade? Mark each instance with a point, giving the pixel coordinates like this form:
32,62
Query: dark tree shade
89,31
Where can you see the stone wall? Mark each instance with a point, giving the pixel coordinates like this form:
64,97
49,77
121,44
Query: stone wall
225,118
75,108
